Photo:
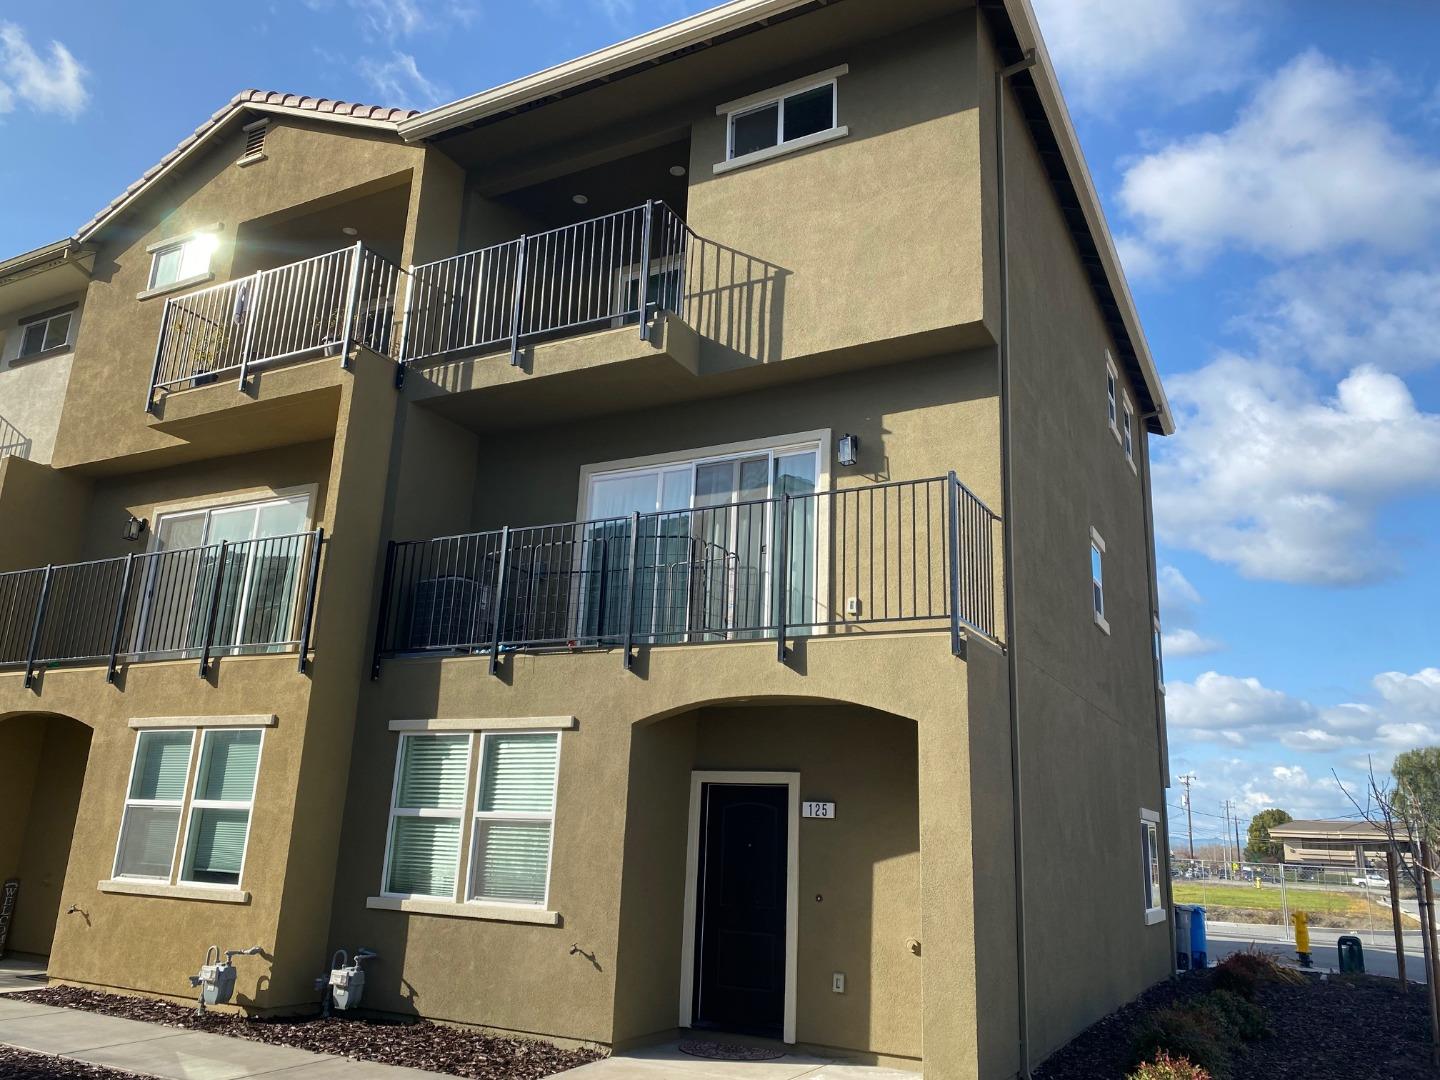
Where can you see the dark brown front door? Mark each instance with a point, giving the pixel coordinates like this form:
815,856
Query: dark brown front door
740,908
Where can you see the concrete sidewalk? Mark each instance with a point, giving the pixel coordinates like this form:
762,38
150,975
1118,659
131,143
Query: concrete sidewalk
173,1053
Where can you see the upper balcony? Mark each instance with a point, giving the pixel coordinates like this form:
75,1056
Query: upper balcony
905,555
248,597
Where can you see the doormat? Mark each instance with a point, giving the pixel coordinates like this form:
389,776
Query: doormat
704,1048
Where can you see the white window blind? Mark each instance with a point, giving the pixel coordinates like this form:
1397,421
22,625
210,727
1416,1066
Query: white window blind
423,851
514,818
151,819
220,810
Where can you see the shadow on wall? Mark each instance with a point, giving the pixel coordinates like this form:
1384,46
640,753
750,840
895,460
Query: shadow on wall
735,302
13,443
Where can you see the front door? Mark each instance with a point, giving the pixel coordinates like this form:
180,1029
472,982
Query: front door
740,908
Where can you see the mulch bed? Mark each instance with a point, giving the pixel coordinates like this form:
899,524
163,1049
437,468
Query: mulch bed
1332,1029
28,1065
416,1044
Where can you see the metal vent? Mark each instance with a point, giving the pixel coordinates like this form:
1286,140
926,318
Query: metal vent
255,138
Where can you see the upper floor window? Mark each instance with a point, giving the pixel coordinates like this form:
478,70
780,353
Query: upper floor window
1097,579
1112,395
1154,897
181,260
1127,431
784,118
46,331
1157,645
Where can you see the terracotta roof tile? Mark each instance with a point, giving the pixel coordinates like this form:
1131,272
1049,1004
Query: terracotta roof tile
379,114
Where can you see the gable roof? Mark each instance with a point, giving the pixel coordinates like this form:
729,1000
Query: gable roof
375,117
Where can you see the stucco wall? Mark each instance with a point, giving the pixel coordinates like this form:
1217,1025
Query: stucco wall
1089,744
32,391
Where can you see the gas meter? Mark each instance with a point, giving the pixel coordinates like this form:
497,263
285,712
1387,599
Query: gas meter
345,985
217,978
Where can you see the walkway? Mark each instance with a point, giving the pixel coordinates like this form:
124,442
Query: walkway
666,1062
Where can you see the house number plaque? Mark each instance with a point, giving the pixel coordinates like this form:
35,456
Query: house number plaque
817,809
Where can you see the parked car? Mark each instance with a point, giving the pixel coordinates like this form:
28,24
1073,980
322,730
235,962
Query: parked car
1370,880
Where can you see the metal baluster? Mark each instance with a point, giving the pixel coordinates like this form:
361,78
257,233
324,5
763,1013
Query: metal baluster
120,616
499,600
213,610
307,618
35,631
783,576
957,645
645,271
519,299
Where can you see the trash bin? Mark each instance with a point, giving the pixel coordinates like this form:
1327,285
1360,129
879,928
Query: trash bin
1182,937
1198,946
1352,955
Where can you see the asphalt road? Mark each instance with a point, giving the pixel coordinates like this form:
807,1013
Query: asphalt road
1227,938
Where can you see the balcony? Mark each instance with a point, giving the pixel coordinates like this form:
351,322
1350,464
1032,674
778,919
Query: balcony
916,554
315,307
251,597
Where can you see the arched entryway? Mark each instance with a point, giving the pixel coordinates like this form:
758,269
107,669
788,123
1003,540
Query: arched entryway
42,771
739,912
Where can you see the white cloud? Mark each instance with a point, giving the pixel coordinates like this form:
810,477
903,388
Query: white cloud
1339,315
54,83
1271,478
399,81
1232,710
1310,165
1180,49
1187,642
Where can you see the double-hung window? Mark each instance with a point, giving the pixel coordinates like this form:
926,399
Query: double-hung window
792,116
511,817
216,806
1112,396
1154,898
1158,645
185,259
1127,431
42,333
1097,579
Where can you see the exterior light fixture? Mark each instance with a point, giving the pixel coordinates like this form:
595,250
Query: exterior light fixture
580,200
134,528
350,230
849,451
677,170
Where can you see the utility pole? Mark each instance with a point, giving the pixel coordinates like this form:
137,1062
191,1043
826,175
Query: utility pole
1239,851
1187,780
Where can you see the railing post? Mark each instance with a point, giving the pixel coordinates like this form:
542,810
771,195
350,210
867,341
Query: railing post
500,582
318,538
252,302
782,575
386,584
600,601
402,354
352,302
213,610
34,651
628,630
952,526
645,241
518,305
119,627
159,355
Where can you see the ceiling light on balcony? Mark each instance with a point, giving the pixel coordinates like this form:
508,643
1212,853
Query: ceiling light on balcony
350,230
677,170
580,200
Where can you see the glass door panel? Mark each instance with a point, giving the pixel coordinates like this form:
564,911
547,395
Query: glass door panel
795,475
163,623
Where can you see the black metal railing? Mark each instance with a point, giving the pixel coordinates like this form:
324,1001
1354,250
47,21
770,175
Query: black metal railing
13,443
915,553
614,270
327,303
250,596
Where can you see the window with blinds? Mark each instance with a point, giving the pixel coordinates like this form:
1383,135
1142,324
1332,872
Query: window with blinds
508,858
221,805
423,850
150,822
514,817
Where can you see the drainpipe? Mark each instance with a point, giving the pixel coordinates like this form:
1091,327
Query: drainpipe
1162,747
1008,556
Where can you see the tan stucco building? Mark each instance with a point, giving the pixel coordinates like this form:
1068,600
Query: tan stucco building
661,543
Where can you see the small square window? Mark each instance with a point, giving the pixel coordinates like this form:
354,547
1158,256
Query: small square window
44,333
786,118
1127,431
1097,579
182,260
809,111
755,130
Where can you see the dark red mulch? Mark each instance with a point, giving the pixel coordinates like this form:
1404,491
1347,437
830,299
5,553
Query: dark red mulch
1336,1029
416,1044
28,1065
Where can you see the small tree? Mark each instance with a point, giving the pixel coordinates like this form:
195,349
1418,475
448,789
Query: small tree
1258,845
1417,791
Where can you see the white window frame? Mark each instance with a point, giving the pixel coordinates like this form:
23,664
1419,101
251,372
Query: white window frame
1127,430
23,327
1159,650
1097,584
777,96
197,750
129,802
457,815
1112,395
1152,884
478,815
209,234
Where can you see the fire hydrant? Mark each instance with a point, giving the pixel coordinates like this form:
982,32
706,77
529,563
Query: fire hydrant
1302,937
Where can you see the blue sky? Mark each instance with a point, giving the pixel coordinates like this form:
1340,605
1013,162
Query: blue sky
1272,174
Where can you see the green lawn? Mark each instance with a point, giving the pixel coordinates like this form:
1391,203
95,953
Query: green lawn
1245,903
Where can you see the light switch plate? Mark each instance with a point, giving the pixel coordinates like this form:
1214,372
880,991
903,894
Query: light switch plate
837,982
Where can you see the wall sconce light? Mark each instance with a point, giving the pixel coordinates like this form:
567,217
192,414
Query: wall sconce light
849,450
134,528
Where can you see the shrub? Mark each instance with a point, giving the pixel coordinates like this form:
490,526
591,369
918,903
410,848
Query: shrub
1242,972
1184,1031
1165,1067
1242,1019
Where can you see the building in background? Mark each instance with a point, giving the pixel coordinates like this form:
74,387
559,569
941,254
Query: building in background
660,544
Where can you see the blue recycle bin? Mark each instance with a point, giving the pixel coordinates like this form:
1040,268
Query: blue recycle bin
1198,947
